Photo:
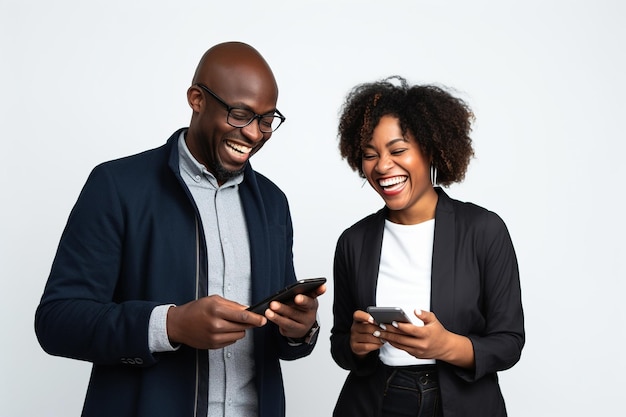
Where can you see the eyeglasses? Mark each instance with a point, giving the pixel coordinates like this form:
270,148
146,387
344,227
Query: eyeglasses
238,117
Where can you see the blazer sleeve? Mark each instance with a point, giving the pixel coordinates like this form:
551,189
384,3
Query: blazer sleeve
77,317
499,345
345,303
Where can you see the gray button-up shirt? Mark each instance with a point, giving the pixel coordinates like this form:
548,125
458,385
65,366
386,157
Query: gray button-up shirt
232,390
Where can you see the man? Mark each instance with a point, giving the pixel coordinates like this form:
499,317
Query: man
164,250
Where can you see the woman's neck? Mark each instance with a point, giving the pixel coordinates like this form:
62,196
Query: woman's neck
420,212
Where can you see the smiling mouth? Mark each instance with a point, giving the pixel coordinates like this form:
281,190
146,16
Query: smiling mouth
244,150
392,183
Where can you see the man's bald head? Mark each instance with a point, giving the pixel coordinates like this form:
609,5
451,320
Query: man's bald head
235,62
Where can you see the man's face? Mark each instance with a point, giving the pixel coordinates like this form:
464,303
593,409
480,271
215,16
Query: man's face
223,149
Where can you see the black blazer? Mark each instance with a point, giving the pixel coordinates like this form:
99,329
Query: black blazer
475,292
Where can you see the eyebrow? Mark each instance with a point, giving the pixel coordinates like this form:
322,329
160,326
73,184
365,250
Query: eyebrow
244,106
390,143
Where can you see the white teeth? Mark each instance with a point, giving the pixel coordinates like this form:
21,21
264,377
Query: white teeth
388,182
239,148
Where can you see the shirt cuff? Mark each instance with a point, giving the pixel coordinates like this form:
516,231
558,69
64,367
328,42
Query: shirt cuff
157,330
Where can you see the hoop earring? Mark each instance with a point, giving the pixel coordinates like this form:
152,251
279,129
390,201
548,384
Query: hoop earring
433,175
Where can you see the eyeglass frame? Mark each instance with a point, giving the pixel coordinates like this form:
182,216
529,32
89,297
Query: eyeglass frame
228,107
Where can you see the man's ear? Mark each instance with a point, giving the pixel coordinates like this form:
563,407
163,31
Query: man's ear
195,98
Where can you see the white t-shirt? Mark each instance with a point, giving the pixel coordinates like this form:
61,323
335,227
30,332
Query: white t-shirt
404,279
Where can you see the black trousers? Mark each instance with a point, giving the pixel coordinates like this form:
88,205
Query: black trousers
412,391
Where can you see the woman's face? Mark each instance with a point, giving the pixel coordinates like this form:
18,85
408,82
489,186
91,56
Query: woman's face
395,167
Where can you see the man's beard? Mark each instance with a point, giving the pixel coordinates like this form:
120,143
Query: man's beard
222,174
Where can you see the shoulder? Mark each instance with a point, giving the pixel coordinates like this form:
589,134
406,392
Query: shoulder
135,175
142,163
267,185
472,218
136,163
369,226
367,222
257,184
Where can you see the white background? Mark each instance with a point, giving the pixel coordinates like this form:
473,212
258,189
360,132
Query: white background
87,81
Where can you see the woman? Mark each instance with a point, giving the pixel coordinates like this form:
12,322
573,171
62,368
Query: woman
450,265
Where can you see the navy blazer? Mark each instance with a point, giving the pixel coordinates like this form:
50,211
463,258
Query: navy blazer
134,240
475,292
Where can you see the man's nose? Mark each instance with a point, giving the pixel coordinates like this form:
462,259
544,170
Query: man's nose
253,132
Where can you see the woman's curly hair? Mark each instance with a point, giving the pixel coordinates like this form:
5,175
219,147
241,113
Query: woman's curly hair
440,123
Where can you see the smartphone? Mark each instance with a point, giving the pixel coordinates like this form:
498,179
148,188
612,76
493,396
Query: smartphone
388,314
304,286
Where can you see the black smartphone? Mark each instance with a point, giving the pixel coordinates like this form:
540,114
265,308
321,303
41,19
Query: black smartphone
287,294
388,314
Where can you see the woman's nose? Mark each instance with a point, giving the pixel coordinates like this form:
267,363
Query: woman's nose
384,163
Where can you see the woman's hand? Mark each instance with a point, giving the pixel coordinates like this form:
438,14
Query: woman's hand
364,334
431,341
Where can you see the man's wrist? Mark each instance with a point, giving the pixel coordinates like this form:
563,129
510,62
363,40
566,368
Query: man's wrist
310,338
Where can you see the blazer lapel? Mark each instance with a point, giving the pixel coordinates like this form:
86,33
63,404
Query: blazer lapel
254,210
367,273
443,267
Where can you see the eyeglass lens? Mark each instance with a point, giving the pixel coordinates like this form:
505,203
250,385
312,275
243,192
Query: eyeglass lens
243,117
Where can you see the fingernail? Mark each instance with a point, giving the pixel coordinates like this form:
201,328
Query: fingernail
382,326
376,333
394,324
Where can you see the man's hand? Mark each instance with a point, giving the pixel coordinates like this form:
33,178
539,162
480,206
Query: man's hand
295,320
211,322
